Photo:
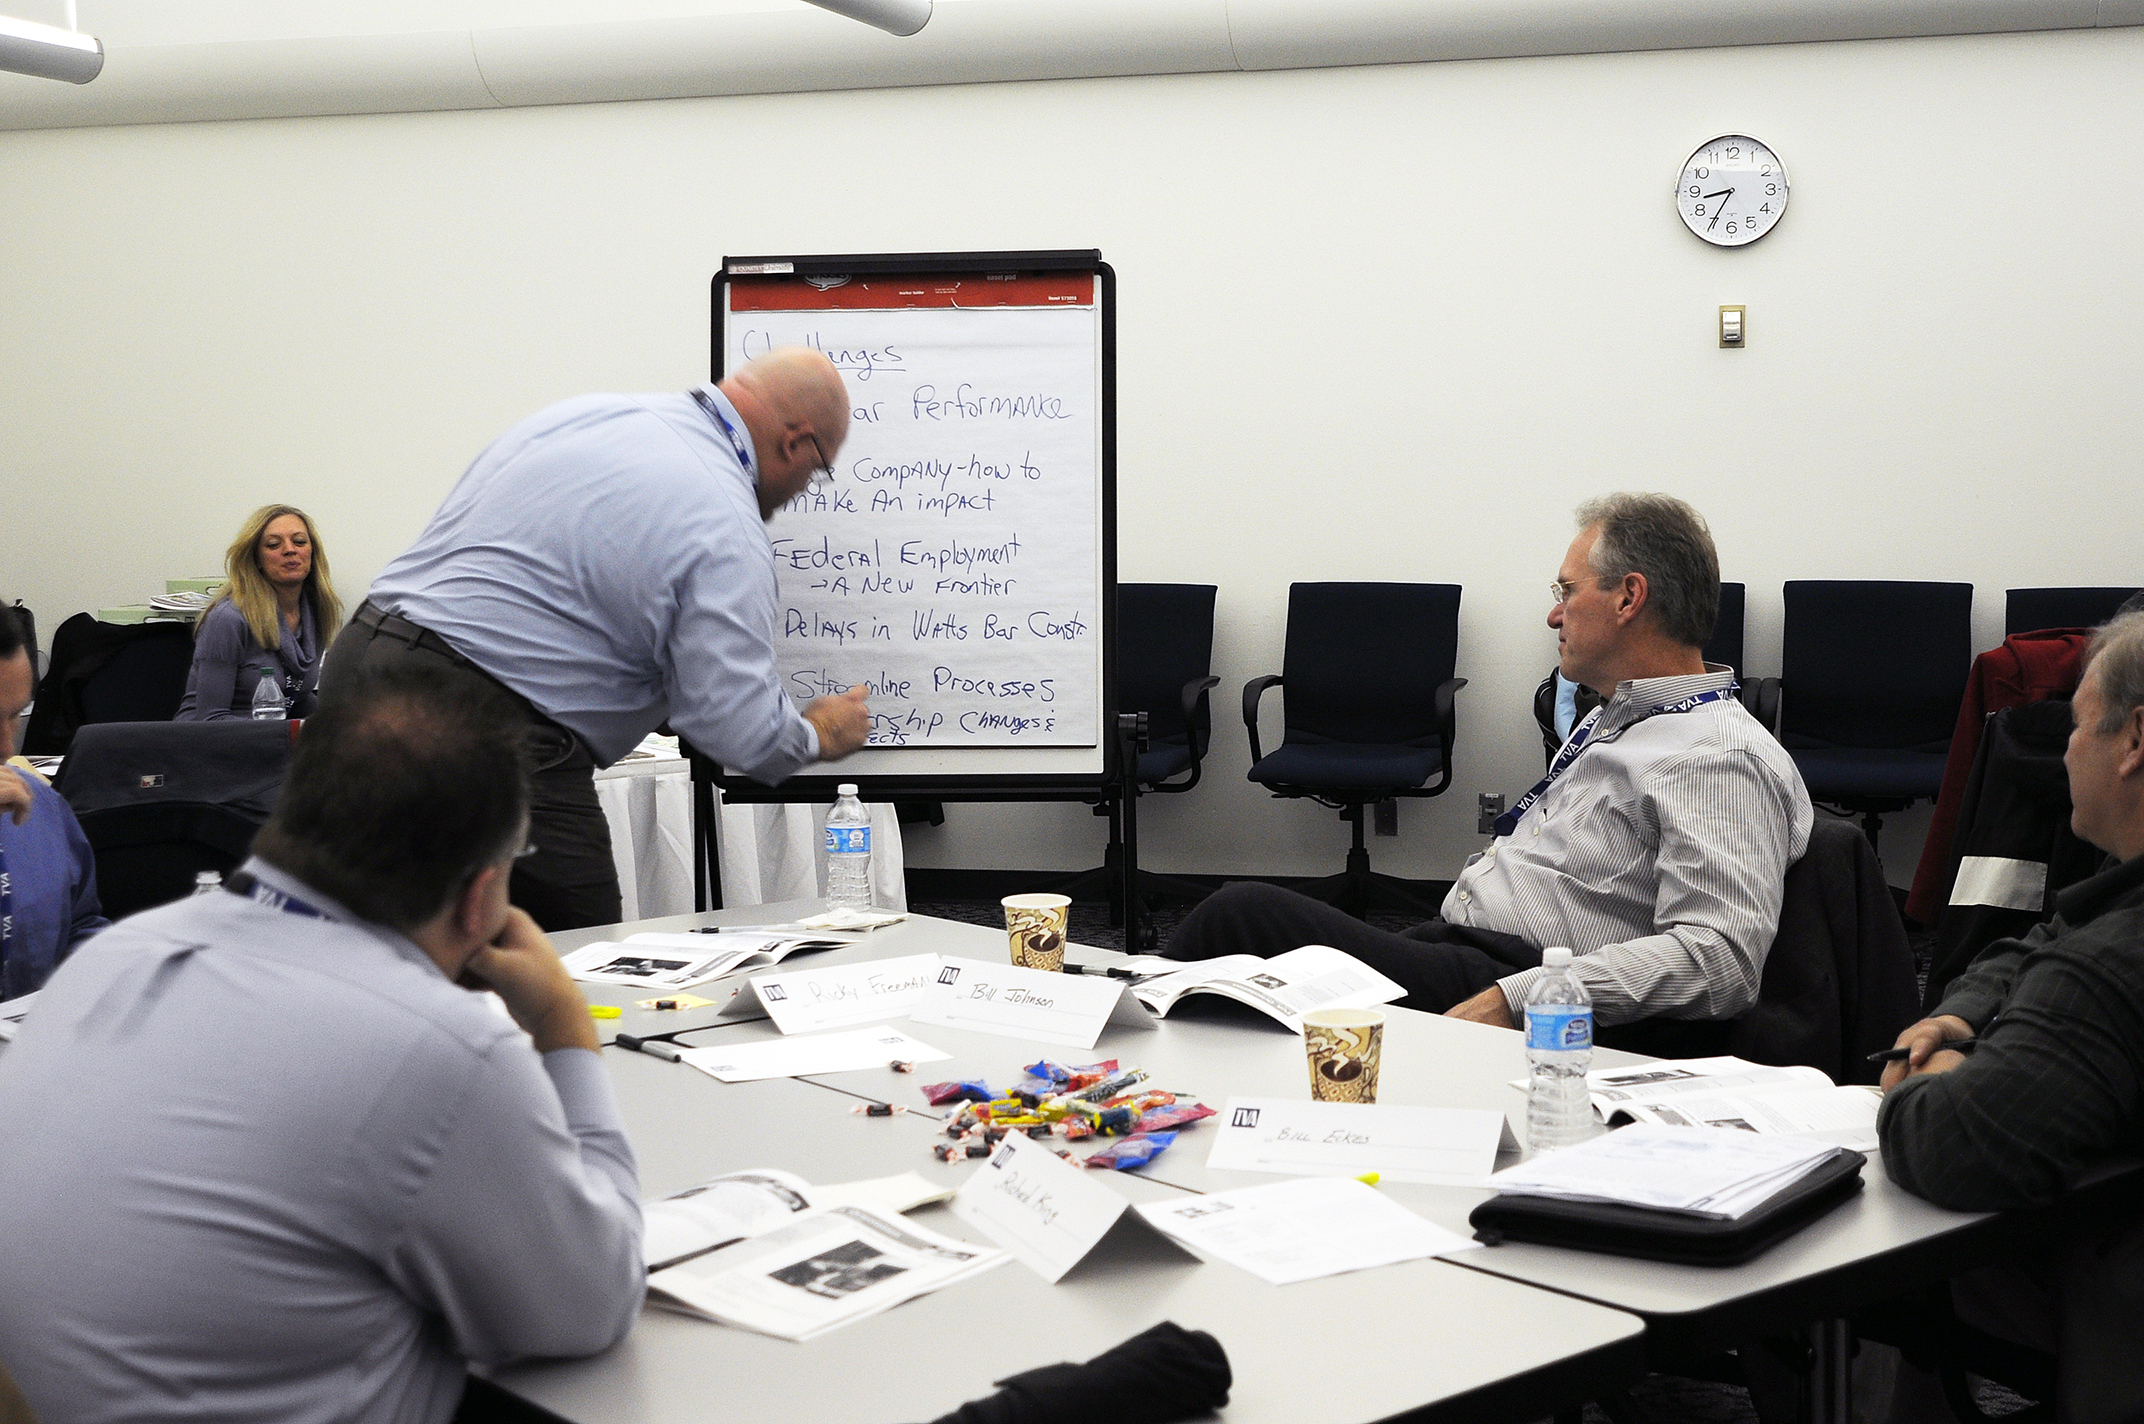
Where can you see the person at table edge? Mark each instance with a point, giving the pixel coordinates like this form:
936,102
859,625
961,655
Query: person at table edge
2055,1081
51,875
606,561
1657,854
275,612
269,1159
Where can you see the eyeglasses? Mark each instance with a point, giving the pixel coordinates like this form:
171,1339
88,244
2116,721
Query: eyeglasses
525,852
825,472
1561,589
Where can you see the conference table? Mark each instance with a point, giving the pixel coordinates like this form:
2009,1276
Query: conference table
1512,1331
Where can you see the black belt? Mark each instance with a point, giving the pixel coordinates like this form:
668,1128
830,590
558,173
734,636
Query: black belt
394,625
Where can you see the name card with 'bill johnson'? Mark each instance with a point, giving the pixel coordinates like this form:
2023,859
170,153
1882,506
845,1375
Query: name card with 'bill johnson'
837,995
1452,1146
1035,1004
1048,1213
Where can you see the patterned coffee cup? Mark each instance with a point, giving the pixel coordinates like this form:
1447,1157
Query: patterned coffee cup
1343,1046
1036,925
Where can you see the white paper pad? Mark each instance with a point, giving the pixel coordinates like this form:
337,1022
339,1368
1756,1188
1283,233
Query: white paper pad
1709,1171
1453,1146
817,1053
835,995
1038,1206
1297,1231
1066,1009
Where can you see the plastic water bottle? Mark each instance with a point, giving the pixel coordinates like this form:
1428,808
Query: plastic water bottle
207,882
268,698
848,852
1559,1046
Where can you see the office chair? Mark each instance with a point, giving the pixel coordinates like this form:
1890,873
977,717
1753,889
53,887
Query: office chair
1370,713
1724,648
161,801
108,672
2027,610
1164,647
1871,675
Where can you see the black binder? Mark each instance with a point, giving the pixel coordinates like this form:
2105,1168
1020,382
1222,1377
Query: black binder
1656,1235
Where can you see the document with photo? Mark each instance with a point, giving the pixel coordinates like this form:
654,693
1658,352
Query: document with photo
681,961
738,1205
1283,988
819,1270
1734,1093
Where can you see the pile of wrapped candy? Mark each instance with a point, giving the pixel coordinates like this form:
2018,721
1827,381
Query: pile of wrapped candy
1053,1101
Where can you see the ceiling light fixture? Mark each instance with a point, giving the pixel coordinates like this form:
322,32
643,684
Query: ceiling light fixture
48,51
895,17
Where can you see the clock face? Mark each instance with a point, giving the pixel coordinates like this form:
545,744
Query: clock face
1733,191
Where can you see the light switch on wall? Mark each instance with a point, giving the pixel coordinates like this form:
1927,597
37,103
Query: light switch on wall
1731,325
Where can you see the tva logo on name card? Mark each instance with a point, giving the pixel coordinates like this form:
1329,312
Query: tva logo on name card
1016,1002
1048,1213
837,995
1455,1146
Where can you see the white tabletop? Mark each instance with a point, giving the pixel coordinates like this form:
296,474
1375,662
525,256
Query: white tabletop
1424,1335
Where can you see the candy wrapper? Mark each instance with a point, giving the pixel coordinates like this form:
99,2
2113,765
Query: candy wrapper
1131,1151
1167,1119
972,1091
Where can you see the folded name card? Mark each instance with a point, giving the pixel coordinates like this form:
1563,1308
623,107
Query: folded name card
1454,1146
837,995
1048,1213
1066,1009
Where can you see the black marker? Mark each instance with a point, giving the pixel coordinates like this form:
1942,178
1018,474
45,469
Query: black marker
653,1047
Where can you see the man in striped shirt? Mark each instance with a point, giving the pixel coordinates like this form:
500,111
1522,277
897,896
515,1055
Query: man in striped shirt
1657,848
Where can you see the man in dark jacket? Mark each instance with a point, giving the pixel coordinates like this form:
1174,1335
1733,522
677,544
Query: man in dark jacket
2054,1082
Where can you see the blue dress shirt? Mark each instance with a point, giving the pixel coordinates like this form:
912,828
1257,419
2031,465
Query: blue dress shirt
52,878
606,559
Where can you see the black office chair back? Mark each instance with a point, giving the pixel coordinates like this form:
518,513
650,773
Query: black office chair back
1164,640
1874,663
108,672
2027,610
1364,661
160,801
1725,644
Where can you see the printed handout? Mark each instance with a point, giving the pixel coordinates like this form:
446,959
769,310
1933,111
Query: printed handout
1284,987
681,961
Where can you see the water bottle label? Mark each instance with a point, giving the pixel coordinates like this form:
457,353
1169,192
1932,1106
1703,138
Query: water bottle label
1555,1027
848,840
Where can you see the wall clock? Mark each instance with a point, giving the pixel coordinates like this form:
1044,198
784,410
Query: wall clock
1733,190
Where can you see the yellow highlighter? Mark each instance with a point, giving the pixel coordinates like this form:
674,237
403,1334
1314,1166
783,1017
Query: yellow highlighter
1369,1178
605,1011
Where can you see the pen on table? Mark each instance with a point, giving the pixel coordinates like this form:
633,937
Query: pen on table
1900,1055
1114,971
653,1047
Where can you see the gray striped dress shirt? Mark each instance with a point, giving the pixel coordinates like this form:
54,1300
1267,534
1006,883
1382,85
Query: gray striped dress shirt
1658,857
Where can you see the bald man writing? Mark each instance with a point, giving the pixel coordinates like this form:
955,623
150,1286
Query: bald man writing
606,561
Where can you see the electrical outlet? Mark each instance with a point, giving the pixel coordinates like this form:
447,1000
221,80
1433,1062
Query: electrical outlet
1386,817
1492,806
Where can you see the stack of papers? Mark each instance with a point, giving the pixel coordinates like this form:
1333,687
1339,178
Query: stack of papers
1705,1171
1731,1092
1300,1230
189,604
680,961
1284,988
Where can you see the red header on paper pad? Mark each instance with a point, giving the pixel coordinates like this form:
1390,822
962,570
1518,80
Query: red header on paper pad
945,289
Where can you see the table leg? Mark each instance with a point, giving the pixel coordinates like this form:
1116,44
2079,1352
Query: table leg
1828,1395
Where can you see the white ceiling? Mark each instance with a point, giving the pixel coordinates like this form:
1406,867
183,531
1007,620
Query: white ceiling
130,22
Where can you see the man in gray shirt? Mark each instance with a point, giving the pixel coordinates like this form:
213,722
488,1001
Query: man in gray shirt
270,1159
1656,849
607,562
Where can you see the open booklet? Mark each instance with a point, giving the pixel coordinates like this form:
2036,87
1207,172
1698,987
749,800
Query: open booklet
1284,987
1735,1093
766,1251
679,961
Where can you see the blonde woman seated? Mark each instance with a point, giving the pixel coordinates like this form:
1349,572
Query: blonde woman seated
277,610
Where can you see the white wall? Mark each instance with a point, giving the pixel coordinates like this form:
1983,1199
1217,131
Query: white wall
1383,323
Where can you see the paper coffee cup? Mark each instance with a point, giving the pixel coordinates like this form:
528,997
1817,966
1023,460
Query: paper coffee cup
1343,1046
1036,926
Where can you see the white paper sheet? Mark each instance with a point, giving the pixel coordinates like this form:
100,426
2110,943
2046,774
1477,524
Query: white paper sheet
1065,1009
835,995
1300,1230
1710,1171
1452,1146
814,1053
1038,1206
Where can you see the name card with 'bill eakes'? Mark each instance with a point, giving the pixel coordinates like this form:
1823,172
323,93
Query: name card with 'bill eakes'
1034,1004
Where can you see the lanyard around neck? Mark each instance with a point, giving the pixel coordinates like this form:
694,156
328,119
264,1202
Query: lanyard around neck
722,422
246,885
1582,738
